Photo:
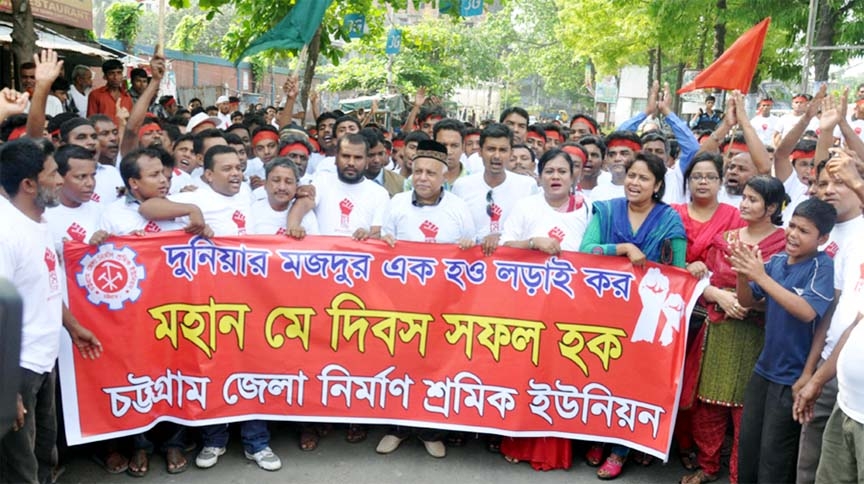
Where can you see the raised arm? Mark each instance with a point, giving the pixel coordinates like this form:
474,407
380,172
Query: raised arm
686,141
142,105
712,143
291,90
757,148
419,99
47,70
782,164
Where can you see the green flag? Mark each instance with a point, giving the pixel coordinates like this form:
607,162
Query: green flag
294,31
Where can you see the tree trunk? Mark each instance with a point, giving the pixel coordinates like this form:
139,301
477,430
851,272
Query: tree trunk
23,35
652,53
679,81
658,66
703,39
309,71
825,30
720,30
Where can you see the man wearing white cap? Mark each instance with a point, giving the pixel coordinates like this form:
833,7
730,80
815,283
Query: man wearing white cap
222,102
201,122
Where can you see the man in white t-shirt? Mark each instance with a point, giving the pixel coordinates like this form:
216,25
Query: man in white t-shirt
77,218
739,171
346,202
81,132
492,194
428,213
29,261
787,122
764,122
270,214
185,162
82,81
621,148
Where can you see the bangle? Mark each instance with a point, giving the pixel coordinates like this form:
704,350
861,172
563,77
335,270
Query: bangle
531,243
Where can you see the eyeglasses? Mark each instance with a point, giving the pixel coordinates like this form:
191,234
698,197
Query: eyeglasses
489,203
708,178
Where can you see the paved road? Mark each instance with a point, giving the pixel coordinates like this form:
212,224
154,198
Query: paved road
336,461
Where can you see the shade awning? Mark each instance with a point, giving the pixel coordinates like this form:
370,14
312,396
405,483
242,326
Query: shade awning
52,40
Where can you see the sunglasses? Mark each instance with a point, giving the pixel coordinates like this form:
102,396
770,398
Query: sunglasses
489,203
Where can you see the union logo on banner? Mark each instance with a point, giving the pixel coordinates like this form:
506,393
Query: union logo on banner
111,276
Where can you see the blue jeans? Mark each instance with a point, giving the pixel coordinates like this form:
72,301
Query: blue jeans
254,434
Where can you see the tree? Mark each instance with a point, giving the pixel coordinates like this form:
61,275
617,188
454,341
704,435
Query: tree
121,21
23,34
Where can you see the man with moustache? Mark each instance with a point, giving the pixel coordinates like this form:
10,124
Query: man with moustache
375,171
81,132
271,213
595,146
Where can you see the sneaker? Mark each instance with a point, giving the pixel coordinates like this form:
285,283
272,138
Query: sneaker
388,444
435,448
209,456
266,459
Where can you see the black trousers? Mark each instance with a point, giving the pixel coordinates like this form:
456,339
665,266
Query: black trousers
768,441
30,454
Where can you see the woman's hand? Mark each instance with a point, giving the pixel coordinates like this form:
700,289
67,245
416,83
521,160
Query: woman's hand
728,302
636,256
698,269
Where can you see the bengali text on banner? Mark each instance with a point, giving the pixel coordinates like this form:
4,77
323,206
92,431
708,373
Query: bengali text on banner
204,331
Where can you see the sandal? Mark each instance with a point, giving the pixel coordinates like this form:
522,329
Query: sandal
511,460
594,456
611,468
356,433
688,459
493,444
139,463
309,438
113,462
175,460
456,439
699,477
643,459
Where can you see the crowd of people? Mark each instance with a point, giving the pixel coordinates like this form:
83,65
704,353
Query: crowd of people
766,209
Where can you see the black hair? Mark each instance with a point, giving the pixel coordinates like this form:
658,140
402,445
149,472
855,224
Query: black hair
710,98
526,147
111,65
625,135
213,152
237,126
495,130
822,214
428,111
772,192
68,152
324,117
656,136
172,130
195,99
552,127
100,118
553,153
10,123
416,136
20,159
537,129
353,139
373,136
27,65
587,118
129,167
284,162
60,84
232,139
804,145
712,157
198,139
597,141
71,124
515,109
449,124
657,168
345,119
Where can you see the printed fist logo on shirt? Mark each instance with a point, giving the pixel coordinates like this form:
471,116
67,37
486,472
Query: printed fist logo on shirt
832,249
430,231
51,263
152,228
95,197
764,127
240,221
345,207
494,213
76,232
281,231
557,234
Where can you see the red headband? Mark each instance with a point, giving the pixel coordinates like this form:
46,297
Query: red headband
532,134
859,102
554,134
293,146
264,135
802,155
18,132
591,127
734,145
802,98
574,152
170,102
626,143
766,102
148,128
399,143
315,145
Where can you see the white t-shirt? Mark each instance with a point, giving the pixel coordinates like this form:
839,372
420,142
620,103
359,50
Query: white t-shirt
29,261
765,128
121,217
254,167
474,164
850,370
533,217
444,223
270,222
797,192
674,185
108,181
843,236
78,224
725,197
848,264
53,106
325,165
342,208
857,125
789,121
180,180
607,191
314,160
473,189
80,100
227,216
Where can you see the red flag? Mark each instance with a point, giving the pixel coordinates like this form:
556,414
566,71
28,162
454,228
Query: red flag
734,69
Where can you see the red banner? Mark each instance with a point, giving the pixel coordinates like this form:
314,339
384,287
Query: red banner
327,329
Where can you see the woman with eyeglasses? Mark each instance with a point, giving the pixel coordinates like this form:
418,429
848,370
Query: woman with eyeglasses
703,218
642,228
550,222
731,338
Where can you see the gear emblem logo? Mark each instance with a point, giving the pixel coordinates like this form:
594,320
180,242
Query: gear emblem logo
111,276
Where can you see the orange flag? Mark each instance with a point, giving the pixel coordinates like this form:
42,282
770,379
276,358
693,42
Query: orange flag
734,69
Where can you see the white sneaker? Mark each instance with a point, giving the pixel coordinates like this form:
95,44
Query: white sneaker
388,444
209,456
435,448
266,459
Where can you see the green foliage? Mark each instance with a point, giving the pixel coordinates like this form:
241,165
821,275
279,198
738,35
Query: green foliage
121,22
188,33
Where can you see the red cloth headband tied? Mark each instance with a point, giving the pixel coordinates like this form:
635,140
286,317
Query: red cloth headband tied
18,132
293,146
591,127
399,143
554,134
574,153
264,135
802,155
147,128
532,134
736,146
626,143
